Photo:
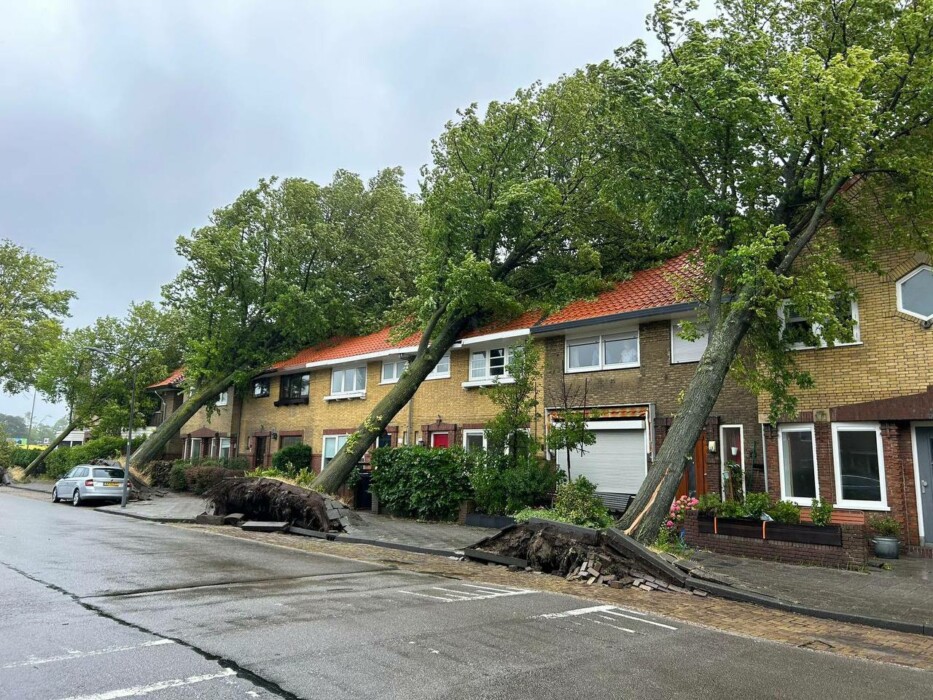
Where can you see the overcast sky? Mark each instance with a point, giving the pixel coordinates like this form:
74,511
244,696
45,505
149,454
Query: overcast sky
123,124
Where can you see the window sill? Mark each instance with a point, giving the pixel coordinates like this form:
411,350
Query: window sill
487,382
387,382
347,396
864,505
292,402
439,376
802,502
826,347
605,368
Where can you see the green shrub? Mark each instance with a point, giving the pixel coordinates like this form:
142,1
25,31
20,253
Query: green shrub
577,501
419,482
670,542
159,471
756,504
527,514
885,526
732,509
499,488
21,457
785,512
821,512
200,478
176,476
709,504
63,459
293,458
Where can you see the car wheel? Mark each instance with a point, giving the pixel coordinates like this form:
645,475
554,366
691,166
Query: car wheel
55,498
76,498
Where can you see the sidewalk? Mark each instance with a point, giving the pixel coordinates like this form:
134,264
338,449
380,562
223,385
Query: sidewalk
170,508
896,599
429,538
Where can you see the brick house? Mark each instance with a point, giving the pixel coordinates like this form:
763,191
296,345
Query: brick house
322,394
863,435
624,347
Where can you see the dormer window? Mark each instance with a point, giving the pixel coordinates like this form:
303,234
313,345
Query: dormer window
915,293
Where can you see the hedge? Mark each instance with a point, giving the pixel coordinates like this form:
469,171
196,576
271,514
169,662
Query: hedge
62,459
419,482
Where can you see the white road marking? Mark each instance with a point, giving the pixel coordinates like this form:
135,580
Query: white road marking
32,661
139,690
621,629
434,597
608,610
456,595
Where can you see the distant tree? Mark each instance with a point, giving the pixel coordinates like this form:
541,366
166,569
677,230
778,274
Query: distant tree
569,433
509,434
15,426
289,263
31,309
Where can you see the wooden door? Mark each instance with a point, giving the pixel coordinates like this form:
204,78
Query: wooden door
693,482
440,439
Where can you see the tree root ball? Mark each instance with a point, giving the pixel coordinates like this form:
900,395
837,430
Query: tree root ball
269,499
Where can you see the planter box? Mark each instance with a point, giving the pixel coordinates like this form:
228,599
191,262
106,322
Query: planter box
830,535
492,521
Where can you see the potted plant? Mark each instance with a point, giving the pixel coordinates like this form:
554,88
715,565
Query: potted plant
886,543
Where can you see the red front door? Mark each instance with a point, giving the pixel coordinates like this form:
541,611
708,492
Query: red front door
440,439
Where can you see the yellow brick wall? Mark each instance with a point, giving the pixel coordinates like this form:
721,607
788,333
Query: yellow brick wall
219,421
894,358
436,397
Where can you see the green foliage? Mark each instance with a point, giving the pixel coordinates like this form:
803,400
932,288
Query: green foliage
62,459
500,488
176,477
159,471
709,503
6,450
517,401
885,526
732,509
526,514
757,503
31,310
200,478
785,512
669,541
272,473
293,458
418,482
821,512
577,501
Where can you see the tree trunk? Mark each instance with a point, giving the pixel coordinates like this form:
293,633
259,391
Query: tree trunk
34,464
170,427
341,466
651,505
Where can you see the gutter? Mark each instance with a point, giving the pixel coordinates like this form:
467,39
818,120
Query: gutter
628,315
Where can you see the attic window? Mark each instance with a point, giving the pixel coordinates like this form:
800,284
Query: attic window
915,293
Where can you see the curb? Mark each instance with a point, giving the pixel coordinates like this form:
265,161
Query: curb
745,596
20,487
145,518
350,539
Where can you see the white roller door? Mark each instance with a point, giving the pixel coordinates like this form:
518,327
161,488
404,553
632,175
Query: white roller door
617,461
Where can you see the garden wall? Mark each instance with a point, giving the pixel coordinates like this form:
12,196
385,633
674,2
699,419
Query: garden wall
852,553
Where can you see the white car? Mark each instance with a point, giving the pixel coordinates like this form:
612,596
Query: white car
89,482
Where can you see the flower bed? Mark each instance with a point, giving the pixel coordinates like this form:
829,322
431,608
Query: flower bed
830,535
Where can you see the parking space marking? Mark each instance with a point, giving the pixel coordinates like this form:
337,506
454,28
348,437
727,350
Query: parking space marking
139,690
32,661
607,615
456,593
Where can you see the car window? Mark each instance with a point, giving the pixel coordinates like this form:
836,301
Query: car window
108,473
70,474
81,471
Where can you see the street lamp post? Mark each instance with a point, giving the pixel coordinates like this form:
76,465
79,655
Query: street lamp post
129,431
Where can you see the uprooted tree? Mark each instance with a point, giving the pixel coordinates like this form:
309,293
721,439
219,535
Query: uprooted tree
513,220
781,141
287,264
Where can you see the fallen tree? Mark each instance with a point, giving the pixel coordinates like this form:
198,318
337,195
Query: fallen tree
272,500
33,467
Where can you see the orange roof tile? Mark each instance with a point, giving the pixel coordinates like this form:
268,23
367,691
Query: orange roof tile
343,347
647,289
171,380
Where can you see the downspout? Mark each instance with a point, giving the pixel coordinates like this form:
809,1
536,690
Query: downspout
764,456
409,440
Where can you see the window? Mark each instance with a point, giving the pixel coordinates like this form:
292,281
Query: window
859,464
487,364
801,334
194,448
392,371
223,451
222,398
797,458
108,473
474,440
260,388
294,388
332,445
384,440
441,369
350,381
602,352
683,350
915,293
287,440
733,452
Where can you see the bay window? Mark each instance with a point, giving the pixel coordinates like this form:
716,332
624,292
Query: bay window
797,459
859,464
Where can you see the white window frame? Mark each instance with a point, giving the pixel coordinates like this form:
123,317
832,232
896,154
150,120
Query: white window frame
356,392
438,372
266,388
724,457
191,442
221,443
223,398
488,378
881,505
473,433
397,373
900,298
675,327
818,330
790,428
634,334
325,460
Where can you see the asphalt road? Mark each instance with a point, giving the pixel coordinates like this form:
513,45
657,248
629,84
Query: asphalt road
100,607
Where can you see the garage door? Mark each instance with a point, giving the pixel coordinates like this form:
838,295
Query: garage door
616,462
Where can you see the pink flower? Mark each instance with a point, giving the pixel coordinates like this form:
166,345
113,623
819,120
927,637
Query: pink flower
669,524
675,507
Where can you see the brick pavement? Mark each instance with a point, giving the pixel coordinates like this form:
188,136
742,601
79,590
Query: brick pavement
736,618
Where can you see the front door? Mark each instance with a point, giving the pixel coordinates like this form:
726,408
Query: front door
925,464
259,452
440,439
693,482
